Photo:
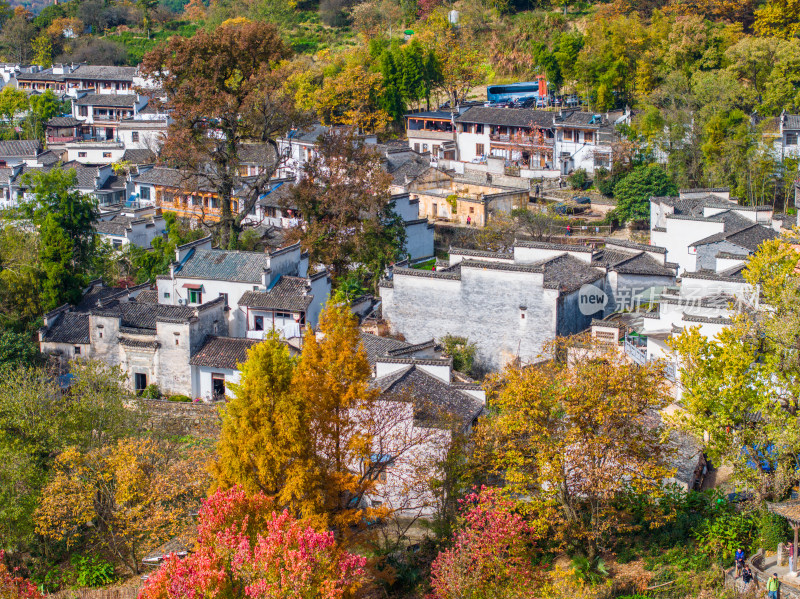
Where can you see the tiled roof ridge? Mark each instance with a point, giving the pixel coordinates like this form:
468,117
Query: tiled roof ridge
528,268
416,361
543,245
415,272
483,253
194,243
284,250
411,348
633,245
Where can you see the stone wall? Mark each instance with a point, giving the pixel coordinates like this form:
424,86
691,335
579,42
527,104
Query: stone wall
179,419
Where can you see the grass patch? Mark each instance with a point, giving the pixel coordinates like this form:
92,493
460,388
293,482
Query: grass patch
427,265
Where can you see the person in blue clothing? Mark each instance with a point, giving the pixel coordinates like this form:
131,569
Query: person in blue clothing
739,559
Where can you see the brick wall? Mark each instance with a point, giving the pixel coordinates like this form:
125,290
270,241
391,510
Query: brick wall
177,418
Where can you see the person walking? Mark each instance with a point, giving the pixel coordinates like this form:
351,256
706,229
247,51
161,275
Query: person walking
536,192
773,587
569,230
469,220
739,559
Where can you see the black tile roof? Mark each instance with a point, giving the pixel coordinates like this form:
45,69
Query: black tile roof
541,245
143,315
112,100
429,114
63,121
20,147
225,265
222,352
103,73
148,296
70,327
624,243
510,117
579,118
749,237
117,225
792,121
481,253
291,294
43,75
567,274
437,404
308,134
635,263
139,156
406,166
376,346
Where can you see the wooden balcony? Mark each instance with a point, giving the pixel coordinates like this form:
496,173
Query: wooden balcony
532,141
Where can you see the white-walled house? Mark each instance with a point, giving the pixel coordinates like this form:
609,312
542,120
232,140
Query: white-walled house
152,343
263,291
699,223
137,226
513,304
789,135
583,141
216,364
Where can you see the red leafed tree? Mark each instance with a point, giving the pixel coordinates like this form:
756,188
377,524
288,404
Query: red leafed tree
15,587
246,550
491,554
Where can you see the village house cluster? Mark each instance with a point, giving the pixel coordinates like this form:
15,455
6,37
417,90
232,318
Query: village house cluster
187,332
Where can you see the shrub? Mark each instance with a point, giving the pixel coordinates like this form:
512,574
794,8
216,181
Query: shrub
151,392
770,530
180,398
462,352
578,179
93,571
633,193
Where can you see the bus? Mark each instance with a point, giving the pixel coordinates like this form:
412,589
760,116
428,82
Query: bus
516,91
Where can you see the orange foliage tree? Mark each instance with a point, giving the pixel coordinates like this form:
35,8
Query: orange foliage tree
123,499
576,438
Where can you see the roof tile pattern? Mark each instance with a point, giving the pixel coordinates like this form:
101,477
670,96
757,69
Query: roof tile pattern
288,294
222,352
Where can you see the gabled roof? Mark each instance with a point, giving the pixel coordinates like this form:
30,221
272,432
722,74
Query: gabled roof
63,121
376,346
567,274
792,121
112,100
290,294
749,237
139,156
225,265
223,352
70,327
309,134
20,147
511,117
635,263
103,73
437,404
406,166
144,315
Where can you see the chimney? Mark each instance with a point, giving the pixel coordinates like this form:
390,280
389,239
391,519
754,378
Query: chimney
265,277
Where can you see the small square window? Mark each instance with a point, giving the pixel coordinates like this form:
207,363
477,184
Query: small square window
135,136
77,350
106,154
100,334
195,296
81,154
166,295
